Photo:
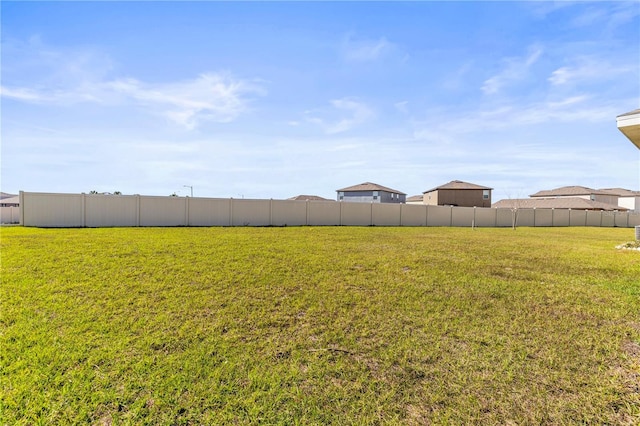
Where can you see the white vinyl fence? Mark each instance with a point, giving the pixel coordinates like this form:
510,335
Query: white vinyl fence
83,210
9,214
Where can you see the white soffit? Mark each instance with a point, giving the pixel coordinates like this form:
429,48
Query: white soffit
629,124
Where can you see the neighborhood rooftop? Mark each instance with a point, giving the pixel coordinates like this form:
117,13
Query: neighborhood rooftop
369,186
458,184
572,190
574,203
308,198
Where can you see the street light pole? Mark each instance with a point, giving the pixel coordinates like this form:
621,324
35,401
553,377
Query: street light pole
191,187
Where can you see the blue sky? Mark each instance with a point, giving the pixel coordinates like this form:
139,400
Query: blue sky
276,99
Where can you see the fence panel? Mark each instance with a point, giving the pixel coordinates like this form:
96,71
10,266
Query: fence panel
288,213
438,216
52,210
251,212
9,214
413,215
209,211
608,219
485,217
111,210
594,218
577,217
163,211
560,217
385,214
544,217
324,213
462,216
634,218
526,217
505,218
356,214
621,219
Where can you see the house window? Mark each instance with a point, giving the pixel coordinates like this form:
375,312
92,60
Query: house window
375,195
485,194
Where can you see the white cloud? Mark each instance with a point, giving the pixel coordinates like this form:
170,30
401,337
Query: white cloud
587,69
45,76
209,97
356,112
515,69
359,50
402,106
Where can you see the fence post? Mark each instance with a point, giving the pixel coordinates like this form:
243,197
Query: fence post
426,215
473,222
306,213
270,211
569,217
231,211
451,217
401,214
371,215
21,201
341,212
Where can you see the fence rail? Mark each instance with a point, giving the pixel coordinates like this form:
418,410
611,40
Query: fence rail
88,210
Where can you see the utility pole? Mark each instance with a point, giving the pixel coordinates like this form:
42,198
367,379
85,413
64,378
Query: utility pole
190,187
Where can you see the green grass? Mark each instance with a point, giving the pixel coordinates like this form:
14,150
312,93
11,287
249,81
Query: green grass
314,325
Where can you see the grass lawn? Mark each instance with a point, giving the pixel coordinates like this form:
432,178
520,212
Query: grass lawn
319,325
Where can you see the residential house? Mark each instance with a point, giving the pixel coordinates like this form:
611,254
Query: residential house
308,198
573,203
458,193
626,198
600,195
369,192
9,200
416,199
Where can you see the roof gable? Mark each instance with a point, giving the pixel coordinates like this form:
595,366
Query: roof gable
458,184
369,186
570,190
308,198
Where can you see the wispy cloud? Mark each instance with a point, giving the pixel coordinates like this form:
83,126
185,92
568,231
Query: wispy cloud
515,69
365,50
209,97
345,115
588,69
212,96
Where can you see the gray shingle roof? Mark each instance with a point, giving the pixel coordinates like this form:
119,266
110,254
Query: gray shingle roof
369,186
621,192
309,197
458,184
574,203
567,191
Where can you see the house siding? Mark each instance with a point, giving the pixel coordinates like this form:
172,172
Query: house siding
457,197
367,197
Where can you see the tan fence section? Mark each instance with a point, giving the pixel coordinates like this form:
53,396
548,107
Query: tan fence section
9,214
85,210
